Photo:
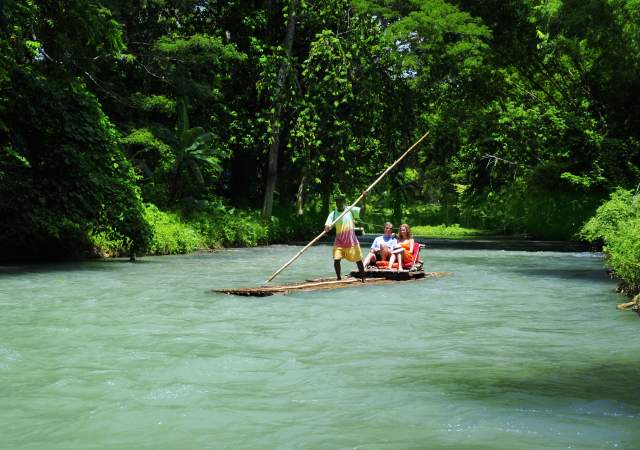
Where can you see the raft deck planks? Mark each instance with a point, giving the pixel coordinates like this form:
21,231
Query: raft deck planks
327,284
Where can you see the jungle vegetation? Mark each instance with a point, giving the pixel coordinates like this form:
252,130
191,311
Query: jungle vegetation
159,126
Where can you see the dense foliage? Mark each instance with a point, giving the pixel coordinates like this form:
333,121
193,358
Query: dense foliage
617,225
63,173
237,120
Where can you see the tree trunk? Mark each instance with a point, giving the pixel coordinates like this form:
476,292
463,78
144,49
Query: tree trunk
326,195
183,125
397,210
300,196
272,171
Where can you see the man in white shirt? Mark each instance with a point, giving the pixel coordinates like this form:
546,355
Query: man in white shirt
382,246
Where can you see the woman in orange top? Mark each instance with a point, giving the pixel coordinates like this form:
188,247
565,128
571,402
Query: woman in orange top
404,250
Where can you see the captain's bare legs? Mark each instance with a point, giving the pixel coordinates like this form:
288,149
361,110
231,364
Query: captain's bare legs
336,266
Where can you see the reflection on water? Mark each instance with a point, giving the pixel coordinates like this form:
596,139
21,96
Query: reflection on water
517,350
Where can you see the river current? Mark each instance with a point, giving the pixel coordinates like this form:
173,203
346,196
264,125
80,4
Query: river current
515,350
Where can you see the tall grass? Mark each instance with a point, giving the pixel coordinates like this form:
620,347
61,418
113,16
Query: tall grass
449,232
170,234
222,227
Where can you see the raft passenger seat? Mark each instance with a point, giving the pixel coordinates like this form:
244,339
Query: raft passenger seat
416,264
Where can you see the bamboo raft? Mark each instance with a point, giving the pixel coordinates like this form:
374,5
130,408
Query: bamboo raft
376,277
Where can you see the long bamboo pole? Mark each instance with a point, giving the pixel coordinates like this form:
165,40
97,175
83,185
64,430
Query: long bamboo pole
365,192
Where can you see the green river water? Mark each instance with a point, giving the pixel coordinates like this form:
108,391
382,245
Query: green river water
516,350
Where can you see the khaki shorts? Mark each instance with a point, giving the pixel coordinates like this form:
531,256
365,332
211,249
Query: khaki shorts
352,254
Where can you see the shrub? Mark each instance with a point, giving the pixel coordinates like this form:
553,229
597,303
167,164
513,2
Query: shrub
228,227
616,223
108,243
444,231
623,250
619,208
170,234
210,226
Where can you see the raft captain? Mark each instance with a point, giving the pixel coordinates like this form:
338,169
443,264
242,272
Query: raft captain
346,244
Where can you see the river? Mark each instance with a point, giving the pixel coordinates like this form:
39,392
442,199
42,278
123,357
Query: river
515,350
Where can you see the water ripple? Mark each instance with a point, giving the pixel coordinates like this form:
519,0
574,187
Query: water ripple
517,350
